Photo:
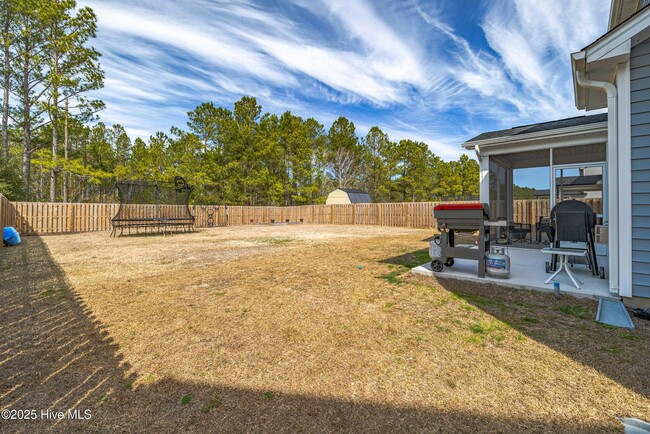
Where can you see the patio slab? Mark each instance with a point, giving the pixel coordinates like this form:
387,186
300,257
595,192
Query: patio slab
528,271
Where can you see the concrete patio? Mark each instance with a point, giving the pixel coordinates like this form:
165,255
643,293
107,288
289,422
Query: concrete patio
528,271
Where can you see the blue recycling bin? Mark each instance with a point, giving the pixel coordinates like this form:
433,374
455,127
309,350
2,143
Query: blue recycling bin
11,236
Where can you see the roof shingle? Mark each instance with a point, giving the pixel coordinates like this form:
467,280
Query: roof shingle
542,126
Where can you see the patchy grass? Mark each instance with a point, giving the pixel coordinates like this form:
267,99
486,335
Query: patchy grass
478,300
53,292
148,379
576,311
301,339
392,277
186,399
414,258
277,241
212,404
489,331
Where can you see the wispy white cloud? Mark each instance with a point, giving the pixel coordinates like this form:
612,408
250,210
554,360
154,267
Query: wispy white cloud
212,47
524,70
407,67
393,57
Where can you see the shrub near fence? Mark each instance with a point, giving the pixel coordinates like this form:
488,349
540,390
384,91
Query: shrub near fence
55,218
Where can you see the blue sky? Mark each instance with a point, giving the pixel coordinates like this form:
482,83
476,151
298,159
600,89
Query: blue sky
437,71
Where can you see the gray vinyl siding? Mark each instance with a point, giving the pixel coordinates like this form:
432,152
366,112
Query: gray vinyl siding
640,110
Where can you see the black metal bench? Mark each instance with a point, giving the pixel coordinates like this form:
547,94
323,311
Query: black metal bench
160,206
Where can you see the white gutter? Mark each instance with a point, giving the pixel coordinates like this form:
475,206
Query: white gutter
612,171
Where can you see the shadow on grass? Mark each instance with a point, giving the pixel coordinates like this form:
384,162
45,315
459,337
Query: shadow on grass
55,355
203,408
566,325
409,259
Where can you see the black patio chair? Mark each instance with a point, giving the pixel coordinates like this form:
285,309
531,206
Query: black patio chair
520,231
574,221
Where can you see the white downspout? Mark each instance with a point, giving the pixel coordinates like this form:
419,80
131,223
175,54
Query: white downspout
612,172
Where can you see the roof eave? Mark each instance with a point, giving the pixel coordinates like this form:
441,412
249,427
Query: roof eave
600,59
539,135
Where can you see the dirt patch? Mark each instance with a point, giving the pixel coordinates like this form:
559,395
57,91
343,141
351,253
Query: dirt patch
316,328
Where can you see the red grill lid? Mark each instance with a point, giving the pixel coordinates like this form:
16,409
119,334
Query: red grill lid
458,206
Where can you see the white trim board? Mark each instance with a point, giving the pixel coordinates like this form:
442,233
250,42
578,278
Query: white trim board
624,180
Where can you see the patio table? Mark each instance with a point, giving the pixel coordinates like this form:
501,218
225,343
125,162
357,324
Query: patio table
564,254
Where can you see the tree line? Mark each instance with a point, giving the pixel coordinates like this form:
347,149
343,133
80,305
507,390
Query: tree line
54,149
246,157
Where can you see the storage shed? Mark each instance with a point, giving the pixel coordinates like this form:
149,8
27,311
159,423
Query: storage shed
343,196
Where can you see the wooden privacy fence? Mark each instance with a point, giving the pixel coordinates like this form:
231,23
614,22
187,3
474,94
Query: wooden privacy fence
7,214
57,218
411,214
530,210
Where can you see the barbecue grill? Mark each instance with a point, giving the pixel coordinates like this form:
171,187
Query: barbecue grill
463,217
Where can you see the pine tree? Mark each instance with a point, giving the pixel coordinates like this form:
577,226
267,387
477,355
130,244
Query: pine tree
73,68
375,171
27,77
7,37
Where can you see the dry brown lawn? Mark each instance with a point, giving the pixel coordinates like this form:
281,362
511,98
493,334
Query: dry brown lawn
298,329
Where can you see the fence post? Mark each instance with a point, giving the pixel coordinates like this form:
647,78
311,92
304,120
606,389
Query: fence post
70,222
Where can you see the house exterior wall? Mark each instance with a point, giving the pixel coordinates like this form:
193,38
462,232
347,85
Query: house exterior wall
640,156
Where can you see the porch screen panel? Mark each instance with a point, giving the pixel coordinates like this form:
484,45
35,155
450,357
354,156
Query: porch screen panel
498,190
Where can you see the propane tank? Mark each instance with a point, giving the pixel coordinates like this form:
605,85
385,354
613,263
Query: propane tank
435,250
497,262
